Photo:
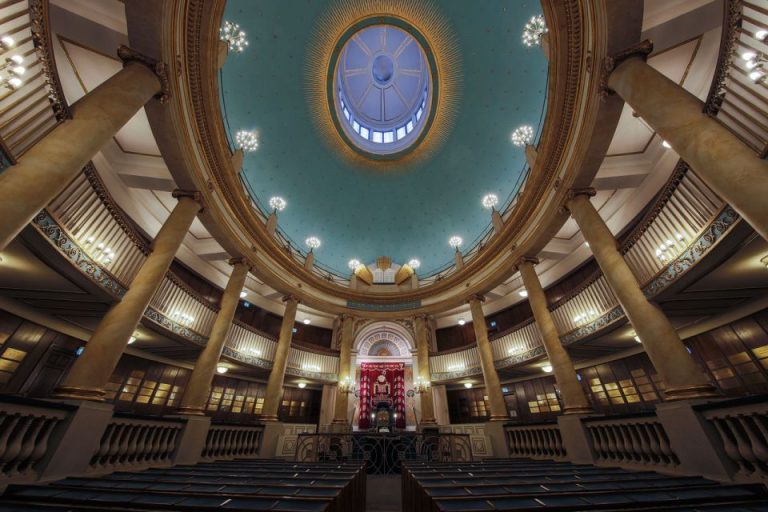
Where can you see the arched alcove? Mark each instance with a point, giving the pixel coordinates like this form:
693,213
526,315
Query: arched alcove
380,337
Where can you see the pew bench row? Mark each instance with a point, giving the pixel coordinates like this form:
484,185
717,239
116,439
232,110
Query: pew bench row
232,486
522,485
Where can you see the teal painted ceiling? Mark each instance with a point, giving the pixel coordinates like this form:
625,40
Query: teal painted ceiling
360,212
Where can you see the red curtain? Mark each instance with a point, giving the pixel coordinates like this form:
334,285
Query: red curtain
374,389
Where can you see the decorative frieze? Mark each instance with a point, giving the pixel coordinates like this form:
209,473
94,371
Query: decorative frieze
66,245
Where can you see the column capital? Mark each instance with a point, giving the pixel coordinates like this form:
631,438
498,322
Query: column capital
291,298
641,49
476,296
576,192
192,194
128,54
238,261
527,259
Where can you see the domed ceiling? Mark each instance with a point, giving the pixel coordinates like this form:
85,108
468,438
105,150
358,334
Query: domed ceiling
403,194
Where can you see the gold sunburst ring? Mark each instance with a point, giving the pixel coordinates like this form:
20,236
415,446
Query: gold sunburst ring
339,24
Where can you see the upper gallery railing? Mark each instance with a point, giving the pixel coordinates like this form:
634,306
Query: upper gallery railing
184,306
85,223
738,97
685,221
85,208
30,97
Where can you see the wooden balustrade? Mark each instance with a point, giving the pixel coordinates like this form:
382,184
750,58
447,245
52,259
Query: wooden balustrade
683,209
248,341
134,442
232,441
25,432
592,301
454,363
737,100
522,339
88,213
179,303
631,441
30,111
743,432
311,362
535,441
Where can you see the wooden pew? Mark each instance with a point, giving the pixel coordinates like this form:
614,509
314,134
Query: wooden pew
528,485
278,486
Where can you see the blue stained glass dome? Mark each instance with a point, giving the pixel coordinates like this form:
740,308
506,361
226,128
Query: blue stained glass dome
383,89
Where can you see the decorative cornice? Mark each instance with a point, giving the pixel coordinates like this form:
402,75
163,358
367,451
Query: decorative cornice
127,54
41,39
728,43
641,49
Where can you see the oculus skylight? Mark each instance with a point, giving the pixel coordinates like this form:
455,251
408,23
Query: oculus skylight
382,89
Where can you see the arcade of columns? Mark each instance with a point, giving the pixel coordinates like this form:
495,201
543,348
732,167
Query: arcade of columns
726,164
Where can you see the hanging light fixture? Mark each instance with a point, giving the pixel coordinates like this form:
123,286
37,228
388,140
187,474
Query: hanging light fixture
455,242
313,242
534,30
490,201
414,264
235,38
277,203
12,69
522,136
246,140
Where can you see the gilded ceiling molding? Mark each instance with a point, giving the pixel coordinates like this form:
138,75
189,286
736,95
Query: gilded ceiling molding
202,159
41,39
425,16
728,44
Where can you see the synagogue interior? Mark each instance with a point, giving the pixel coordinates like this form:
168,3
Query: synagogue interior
367,255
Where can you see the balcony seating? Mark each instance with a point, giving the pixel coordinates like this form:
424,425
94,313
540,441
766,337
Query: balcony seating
230,485
535,485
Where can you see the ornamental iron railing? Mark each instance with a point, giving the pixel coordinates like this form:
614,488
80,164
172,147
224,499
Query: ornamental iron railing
383,453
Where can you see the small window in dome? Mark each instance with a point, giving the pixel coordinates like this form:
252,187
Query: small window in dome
376,126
